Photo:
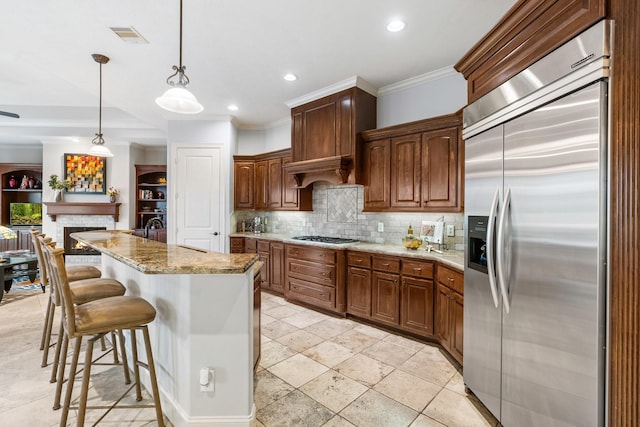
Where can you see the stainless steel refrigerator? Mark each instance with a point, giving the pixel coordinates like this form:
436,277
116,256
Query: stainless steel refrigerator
536,239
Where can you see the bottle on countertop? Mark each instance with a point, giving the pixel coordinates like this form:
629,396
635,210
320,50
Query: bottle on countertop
410,230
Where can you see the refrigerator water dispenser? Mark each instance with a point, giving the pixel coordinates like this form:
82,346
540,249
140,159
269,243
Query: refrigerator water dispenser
477,244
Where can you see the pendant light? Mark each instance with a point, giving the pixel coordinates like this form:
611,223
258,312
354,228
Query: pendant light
98,148
178,99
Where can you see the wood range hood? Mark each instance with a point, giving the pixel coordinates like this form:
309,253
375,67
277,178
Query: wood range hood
335,170
325,134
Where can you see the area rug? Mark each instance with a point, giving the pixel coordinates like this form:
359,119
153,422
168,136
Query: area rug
25,285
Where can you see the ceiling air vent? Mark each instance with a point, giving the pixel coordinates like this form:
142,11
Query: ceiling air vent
129,35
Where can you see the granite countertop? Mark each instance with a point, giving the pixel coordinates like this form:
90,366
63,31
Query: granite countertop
152,257
454,259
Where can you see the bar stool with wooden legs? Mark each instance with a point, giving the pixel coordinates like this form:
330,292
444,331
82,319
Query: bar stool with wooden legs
93,320
74,273
82,291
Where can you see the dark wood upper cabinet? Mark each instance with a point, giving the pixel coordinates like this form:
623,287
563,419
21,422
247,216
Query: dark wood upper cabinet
243,180
262,183
325,134
415,166
406,173
440,168
274,183
376,173
527,32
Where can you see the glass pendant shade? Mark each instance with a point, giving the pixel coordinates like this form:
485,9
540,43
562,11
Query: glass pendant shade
178,99
100,151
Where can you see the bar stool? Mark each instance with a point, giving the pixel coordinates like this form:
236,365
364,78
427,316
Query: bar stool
93,320
76,272
82,291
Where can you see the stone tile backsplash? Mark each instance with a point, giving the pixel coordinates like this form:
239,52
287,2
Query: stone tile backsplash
337,211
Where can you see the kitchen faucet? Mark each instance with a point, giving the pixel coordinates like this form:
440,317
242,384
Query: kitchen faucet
153,223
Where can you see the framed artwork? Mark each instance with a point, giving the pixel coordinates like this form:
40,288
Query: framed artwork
87,173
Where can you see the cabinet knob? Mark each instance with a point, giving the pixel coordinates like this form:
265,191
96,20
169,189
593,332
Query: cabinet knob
417,269
450,279
385,265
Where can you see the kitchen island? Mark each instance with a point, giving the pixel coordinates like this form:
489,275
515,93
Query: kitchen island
204,303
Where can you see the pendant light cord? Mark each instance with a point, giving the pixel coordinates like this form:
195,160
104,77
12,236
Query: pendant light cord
181,34
100,106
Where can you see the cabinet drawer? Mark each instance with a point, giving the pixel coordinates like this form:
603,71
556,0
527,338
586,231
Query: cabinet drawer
326,256
250,246
263,246
451,278
420,269
313,272
359,259
311,293
391,265
237,245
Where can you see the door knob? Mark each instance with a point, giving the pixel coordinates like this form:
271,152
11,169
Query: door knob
215,233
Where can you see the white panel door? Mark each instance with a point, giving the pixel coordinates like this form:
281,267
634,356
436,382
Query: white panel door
199,197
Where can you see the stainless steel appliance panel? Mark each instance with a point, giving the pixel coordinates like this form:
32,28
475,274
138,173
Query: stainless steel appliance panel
553,335
482,319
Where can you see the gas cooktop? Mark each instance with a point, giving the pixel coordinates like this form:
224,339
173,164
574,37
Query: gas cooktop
323,239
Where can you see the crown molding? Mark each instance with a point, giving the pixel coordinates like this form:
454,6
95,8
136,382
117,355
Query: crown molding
417,80
331,89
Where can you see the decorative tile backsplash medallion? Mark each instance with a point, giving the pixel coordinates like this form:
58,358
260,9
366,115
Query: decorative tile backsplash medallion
342,204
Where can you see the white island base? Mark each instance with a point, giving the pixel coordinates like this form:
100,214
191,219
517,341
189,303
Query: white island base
203,321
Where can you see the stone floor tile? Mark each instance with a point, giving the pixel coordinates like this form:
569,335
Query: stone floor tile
456,383
277,329
333,390
268,388
282,311
273,352
454,410
294,410
300,340
355,340
305,318
430,365
405,342
364,369
424,421
329,353
330,327
389,353
338,421
407,389
373,409
372,331
298,370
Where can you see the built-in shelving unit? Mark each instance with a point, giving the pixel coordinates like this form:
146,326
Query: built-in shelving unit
151,199
11,177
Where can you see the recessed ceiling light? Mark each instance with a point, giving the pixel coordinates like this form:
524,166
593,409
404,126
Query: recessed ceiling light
290,77
395,26
232,107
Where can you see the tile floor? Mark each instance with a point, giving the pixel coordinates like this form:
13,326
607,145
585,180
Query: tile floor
315,370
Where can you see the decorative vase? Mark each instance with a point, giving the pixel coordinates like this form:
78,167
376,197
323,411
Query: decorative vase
12,182
31,182
112,198
57,196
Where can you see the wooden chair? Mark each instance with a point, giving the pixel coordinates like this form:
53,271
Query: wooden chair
93,320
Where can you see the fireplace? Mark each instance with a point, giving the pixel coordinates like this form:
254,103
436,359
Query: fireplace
73,247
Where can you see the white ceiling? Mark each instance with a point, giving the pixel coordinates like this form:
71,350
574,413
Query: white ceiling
235,51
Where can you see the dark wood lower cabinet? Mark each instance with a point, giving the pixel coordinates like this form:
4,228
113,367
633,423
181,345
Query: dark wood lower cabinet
417,305
277,259
257,302
450,320
385,298
359,291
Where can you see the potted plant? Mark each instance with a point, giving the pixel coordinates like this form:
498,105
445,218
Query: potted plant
112,192
57,186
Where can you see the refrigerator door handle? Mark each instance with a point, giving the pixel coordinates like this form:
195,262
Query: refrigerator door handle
493,214
502,280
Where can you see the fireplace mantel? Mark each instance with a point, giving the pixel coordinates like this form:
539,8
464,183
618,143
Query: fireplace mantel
82,208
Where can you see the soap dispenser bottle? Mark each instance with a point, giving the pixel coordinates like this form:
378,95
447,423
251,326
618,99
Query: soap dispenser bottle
410,231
